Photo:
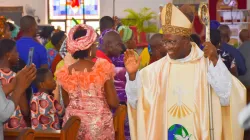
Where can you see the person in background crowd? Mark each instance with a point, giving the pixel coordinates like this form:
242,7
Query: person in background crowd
117,22
227,58
106,23
29,29
155,51
127,37
225,33
128,40
110,45
195,38
9,57
59,60
45,35
15,31
45,108
4,28
57,40
8,106
88,87
245,51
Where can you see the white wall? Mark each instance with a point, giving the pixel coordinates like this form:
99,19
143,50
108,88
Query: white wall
39,5
121,5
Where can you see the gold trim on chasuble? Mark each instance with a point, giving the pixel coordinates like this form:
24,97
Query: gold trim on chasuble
170,29
179,110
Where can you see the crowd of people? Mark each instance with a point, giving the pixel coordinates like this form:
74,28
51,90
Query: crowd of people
88,75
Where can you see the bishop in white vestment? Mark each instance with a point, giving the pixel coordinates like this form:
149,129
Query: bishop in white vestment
168,100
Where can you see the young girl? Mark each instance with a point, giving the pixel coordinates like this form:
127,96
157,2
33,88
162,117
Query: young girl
8,58
45,109
88,88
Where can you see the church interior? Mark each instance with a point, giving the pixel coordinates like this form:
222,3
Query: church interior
143,18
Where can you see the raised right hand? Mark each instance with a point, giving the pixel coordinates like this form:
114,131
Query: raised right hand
131,62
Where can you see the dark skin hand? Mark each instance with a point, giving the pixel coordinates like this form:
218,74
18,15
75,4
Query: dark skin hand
131,64
110,94
8,88
23,80
210,52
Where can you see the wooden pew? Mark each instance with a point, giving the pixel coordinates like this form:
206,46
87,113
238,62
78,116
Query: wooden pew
26,134
119,121
68,132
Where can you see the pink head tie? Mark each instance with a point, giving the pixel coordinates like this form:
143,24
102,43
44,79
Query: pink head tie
82,43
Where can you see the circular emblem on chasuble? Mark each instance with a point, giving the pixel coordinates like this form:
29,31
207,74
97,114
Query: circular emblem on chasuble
178,132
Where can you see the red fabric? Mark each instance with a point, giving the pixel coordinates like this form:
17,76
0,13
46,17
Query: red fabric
198,26
56,60
242,4
19,35
212,9
143,37
100,54
75,3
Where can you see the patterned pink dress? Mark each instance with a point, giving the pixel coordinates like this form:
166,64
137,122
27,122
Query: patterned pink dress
16,121
45,112
87,100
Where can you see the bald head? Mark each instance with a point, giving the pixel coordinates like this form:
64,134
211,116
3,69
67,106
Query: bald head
108,37
244,35
112,44
225,33
157,47
155,39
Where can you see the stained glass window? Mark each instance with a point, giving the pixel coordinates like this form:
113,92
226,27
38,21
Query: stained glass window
61,12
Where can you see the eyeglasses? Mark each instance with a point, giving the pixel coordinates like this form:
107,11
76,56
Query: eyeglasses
169,42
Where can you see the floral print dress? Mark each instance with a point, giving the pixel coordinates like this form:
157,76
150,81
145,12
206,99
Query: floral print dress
45,112
87,100
16,121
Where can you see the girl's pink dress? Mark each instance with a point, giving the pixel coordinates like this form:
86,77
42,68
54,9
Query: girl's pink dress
87,100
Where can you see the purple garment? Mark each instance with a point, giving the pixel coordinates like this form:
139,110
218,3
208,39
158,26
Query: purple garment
120,79
120,83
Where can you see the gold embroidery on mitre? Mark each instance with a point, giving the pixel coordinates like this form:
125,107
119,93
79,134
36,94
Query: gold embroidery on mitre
167,28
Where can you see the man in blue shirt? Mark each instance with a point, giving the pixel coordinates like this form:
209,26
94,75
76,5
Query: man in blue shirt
225,38
29,30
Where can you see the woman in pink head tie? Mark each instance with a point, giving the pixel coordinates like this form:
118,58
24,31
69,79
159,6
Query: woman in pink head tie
88,88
